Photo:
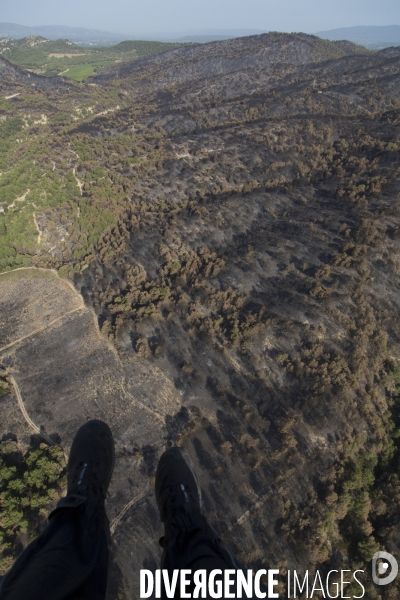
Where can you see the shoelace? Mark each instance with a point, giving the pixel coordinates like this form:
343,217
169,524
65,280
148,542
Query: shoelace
89,471
175,494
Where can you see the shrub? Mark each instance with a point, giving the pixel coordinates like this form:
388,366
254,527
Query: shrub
29,485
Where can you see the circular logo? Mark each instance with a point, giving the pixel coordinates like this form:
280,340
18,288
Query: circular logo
382,567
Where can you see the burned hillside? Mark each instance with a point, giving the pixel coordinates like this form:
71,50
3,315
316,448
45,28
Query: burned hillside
231,214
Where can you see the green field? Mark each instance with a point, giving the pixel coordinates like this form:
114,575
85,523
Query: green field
48,57
80,72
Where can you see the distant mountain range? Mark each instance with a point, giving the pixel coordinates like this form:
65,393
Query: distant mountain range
55,32
204,35
374,37
80,35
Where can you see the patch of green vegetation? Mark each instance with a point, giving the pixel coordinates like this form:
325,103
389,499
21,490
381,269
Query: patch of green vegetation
25,189
362,508
5,105
173,267
54,57
30,483
24,54
9,129
29,186
80,72
27,273
91,223
4,387
144,48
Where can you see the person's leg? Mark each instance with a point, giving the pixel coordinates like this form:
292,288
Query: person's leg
69,559
70,551
189,541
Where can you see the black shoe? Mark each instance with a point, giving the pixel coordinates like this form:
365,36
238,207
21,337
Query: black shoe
91,460
177,488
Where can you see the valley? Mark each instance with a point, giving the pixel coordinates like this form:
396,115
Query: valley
62,57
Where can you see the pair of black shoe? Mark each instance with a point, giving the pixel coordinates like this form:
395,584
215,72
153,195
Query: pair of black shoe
91,464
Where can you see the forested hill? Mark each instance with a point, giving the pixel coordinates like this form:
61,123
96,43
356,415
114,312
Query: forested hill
231,213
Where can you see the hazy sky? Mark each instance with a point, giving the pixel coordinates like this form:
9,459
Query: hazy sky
136,16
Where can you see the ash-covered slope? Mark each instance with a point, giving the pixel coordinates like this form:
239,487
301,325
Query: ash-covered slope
12,74
256,265
230,56
253,260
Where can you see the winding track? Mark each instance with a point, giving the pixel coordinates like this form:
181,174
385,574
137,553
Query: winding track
37,228
51,442
12,380
96,324
134,500
116,522
25,337
25,414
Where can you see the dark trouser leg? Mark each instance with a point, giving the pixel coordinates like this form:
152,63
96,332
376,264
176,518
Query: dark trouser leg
190,543
68,560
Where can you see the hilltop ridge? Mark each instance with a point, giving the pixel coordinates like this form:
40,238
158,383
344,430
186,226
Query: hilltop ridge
246,52
12,74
